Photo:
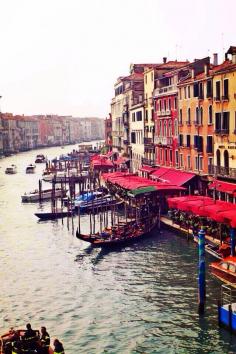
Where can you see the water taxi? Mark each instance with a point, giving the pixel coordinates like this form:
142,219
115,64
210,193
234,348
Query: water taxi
30,168
40,158
36,196
225,270
11,170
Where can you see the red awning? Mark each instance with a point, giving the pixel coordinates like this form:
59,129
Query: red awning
225,187
172,175
147,169
174,202
121,160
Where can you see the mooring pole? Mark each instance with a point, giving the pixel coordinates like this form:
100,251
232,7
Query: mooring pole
201,272
232,241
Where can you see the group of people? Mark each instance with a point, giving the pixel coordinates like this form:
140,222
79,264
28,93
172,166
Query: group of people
30,342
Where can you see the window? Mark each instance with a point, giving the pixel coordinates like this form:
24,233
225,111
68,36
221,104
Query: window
189,116
165,129
225,122
217,90
133,138
180,139
180,116
180,93
146,115
152,76
210,161
201,91
170,128
201,116
195,90
164,105
175,103
188,140
210,115
177,158
152,114
200,143
176,127
133,117
189,92
169,104
209,88
200,163
189,162
139,116
197,115
209,144
181,160
226,89
170,156
145,79
160,105
185,95
218,122
166,159
196,163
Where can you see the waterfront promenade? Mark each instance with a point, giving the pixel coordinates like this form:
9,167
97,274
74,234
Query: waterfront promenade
139,299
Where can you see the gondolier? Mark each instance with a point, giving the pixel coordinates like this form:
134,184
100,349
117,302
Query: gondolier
45,341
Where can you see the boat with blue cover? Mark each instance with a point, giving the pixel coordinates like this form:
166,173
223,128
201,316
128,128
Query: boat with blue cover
92,200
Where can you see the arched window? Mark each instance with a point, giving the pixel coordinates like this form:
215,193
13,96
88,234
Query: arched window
161,132
201,116
164,132
170,128
226,161
210,120
176,127
197,115
218,158
189,116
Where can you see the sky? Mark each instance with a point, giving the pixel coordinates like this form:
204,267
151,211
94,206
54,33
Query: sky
64,56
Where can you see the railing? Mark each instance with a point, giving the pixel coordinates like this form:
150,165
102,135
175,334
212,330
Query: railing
148,141
119,133
160,140
217,98
225,98
148,162
163,90
222,171
221,131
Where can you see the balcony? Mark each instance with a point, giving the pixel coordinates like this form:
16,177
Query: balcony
201,96
160,140
222,171
225,98
165,90
209,94
217,98
148,141
197,123
221,131
148,162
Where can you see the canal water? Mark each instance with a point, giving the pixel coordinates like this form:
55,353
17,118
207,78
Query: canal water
139,299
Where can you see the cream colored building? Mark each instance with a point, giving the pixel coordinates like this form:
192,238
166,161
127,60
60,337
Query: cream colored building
136,136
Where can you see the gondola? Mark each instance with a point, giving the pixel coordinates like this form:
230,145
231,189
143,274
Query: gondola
53,215
119,235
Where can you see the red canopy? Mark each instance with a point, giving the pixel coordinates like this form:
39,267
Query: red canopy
225,187
172,175
173,202
147,169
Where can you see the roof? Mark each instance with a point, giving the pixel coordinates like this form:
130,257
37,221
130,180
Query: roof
147,169
225,187
172,176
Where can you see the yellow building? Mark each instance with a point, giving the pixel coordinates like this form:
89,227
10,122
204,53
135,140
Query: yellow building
224,108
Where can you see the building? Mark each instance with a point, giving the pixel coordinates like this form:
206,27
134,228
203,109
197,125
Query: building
224,109
108,132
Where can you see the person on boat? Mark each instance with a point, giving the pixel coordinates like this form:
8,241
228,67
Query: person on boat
30,339
58,347
45,341
16,347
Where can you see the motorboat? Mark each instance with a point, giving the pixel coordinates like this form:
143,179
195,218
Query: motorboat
30,168
40,159
35,196
92,200
225,270
54,214
16,338
11,170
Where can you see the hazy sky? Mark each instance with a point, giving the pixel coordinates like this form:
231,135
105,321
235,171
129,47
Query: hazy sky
63,56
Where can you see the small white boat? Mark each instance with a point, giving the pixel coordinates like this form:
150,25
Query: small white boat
30,168
45,194
11,170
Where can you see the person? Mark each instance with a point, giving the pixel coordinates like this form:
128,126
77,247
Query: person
30,339
45,341
16,347
58,347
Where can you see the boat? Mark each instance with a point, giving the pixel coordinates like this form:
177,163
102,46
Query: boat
40,159
53,215
12,336
30,168
225,270
62,176
34,196
121,234
11,170
92,200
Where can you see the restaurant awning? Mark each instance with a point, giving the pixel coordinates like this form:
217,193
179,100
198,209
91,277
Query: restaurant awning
147,169
225,187
172,175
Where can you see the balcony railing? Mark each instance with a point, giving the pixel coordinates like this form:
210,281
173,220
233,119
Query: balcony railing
148,162
148,141
221,131
222,171
225,98
217,98
164,90
160,140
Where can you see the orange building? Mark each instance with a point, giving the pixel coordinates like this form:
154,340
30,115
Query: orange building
196,121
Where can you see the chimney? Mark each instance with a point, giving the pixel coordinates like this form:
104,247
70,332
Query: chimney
234,58
192,73
206,69
215,59
164,60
